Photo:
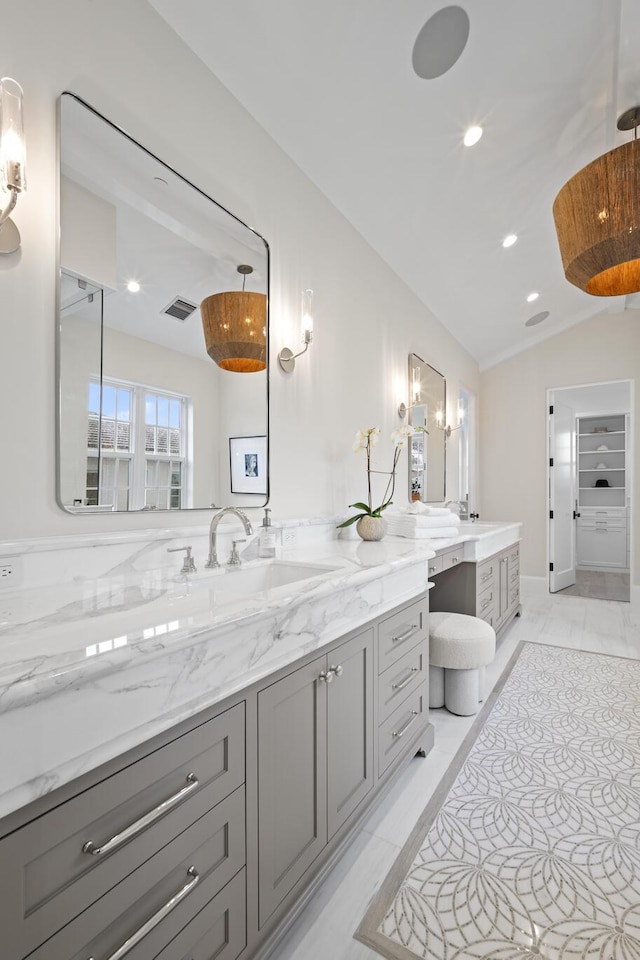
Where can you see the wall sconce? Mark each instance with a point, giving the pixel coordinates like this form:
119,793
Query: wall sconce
286,358
448,429
12,160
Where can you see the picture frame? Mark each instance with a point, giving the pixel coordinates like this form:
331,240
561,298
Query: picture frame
248,465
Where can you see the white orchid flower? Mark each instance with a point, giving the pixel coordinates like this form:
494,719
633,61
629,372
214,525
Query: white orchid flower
400,436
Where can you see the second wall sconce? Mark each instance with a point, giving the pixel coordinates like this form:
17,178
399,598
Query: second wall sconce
448,429
12,161
286,358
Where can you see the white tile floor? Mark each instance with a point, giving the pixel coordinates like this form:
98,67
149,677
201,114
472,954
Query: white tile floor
324,931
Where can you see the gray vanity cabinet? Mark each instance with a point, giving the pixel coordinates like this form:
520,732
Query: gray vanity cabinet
489,589
315,762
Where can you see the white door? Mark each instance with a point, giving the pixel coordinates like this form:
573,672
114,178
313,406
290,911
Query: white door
562,541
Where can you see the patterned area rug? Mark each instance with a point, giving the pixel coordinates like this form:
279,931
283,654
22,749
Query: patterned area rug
531,849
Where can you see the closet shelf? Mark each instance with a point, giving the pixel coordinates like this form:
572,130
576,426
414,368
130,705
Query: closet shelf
608,433
602,470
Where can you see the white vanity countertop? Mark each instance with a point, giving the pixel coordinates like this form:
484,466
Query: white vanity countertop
93,667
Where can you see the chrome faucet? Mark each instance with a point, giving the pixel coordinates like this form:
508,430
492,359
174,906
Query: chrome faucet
212,560
461,505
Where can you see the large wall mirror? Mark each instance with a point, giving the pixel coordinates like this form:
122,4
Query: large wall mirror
162,404
427,451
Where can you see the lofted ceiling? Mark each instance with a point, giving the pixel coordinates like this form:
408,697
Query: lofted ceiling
333,84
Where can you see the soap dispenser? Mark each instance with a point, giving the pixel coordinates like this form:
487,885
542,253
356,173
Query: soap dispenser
266,537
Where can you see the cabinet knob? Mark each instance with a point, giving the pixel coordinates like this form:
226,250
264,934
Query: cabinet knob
326,677
336,671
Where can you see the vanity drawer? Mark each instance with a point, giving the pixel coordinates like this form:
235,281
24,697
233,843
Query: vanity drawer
47,878
403,724
197,864
434,566
400,632
514,596
400,680
452,557
513,553
218,932
486,603
486,575
514,574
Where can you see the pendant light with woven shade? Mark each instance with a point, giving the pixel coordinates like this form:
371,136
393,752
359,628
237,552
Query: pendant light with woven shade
235,328
597,217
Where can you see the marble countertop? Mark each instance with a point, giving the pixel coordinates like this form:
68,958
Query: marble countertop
93,666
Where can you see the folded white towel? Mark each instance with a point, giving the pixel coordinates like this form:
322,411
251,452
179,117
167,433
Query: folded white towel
439,512
451,520
399,527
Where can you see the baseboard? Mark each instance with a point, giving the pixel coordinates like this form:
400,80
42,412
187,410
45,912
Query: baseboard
533,587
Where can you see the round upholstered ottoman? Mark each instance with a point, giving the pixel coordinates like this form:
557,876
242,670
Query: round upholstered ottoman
460,647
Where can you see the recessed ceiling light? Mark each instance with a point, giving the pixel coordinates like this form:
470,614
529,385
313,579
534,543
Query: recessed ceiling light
472,136
538,318
532,296
509,240
133,286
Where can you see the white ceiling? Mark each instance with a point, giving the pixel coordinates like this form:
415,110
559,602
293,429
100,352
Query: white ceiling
332,82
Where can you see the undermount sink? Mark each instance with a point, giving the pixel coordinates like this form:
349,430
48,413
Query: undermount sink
250,580
268,576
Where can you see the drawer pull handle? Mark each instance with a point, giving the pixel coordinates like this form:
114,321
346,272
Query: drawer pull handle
514,556
405,636
432,569
403,729
487,576
403,683
89,847
153,921
455,560
486,602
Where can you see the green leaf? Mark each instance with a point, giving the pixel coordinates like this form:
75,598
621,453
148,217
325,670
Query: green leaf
347,523
361,506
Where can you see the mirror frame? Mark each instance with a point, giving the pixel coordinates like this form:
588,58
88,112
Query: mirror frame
411,365
58,338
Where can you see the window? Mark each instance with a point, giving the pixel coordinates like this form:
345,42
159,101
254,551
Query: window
136,447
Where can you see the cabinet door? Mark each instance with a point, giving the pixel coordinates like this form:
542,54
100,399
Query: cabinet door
349,728
292,781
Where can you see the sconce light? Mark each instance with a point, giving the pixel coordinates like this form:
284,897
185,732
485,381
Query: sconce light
235,328
12,161
402,411
286,358
447,428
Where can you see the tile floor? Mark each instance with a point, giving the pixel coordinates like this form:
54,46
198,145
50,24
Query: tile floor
599,585
324,931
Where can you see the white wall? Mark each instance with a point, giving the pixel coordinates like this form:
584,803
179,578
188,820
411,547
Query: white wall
513,415
123,59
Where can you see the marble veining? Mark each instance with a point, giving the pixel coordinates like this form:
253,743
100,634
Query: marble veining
100,661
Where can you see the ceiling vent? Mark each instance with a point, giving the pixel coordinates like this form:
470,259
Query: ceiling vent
180,309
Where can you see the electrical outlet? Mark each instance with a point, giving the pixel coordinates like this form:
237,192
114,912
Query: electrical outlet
289,536
10,572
